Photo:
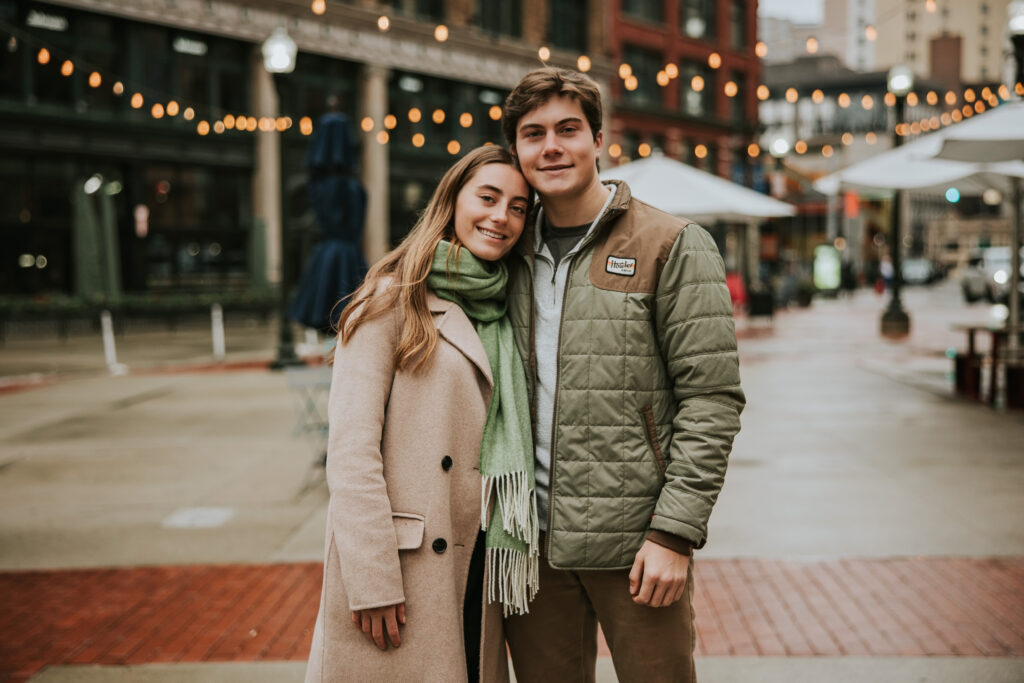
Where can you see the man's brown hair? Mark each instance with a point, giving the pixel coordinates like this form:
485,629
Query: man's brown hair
537,87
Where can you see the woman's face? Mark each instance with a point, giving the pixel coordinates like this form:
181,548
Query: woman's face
490,211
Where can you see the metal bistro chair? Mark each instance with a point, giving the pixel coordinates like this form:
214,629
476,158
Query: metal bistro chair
311,387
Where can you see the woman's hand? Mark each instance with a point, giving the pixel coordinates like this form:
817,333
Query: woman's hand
380,620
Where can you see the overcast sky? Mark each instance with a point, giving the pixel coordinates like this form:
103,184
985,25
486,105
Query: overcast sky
800,11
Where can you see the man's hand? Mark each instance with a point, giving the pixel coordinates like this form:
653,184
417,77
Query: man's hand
376,622
658,576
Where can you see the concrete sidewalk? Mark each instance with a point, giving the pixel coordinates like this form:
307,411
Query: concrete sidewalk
854,453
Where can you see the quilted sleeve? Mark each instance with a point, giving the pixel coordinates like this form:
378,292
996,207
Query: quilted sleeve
697,339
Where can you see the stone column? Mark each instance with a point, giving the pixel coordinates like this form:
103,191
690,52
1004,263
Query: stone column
375,173
266,179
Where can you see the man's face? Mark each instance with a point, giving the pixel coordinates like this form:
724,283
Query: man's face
556,148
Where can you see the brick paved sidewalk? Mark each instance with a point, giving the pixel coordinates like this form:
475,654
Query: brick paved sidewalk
874,607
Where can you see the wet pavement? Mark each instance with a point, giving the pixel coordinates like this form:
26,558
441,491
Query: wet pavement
167,525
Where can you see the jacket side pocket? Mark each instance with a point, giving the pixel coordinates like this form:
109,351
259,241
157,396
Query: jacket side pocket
647,415
409,529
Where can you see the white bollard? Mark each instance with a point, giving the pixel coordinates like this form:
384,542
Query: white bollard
109,348
217,325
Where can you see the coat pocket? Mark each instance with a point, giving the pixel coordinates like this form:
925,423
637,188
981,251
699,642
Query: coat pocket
647,416
409,529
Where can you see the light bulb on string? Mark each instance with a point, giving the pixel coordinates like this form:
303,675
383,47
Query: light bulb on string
43,57
700,151
494,112
438,116
67,68
118,88
466,119
95,79
583,63
625,71
218,127
383,137
203,128
383,23
672,70
697,83
306,125
229,121
366,124
172,108
390,121
319,6
714,60
441,33
544,53
418,140
189,114
662,78
614,150
137,101
453,147
157,110
415,115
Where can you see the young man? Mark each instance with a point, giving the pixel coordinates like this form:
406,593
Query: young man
622,315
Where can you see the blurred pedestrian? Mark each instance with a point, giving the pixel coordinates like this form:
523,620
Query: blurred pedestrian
623,314
429,443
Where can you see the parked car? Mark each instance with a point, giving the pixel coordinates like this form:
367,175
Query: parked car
918,271
987,275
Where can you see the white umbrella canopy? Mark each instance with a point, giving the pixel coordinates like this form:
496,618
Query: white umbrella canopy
996,135
683,190
914,167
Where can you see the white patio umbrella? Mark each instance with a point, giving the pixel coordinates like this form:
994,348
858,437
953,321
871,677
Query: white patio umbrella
996,135
683,190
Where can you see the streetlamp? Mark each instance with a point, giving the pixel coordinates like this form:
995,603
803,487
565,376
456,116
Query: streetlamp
279,52
895,321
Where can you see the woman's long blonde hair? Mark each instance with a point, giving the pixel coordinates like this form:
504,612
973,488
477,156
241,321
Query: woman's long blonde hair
407,266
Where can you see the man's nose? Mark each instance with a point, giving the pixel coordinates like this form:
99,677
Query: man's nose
551,143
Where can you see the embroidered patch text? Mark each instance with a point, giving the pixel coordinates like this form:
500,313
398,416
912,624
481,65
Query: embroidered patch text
620,266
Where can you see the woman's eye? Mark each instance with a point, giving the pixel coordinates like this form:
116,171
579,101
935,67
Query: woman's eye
487,198
519,211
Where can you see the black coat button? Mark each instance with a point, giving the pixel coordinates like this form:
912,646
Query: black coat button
439,545
446,463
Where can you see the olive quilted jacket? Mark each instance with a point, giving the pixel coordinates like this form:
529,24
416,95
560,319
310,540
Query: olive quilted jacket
648,393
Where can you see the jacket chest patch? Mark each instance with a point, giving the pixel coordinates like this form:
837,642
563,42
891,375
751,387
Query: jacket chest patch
617,265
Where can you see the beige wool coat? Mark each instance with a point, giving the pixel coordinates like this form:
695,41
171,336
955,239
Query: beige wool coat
404,512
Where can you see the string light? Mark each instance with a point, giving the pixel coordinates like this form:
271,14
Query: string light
189,114
157,111
986,92
631,83
714,60
229,121
929,6
946,118
366,124
319,6
266,124
932,98
812,45
203,128
871,33
847,139
583,63
544,53
44,56
968,112
950,98
118,88
418,140
827,151
1019,88
95,80
282,124
662,78
644,150
137,101
172,108
438,116
761,49
218,127
763,93
817,96
870,137
792,95
731,89
1004,92
800,147
969,95
700,151
867,102
494,112
979,107
383,137
306,125
415,115
912,99
890,99
915,128
625,71
67,68
614,150
753,150
844,100
672,70
956,116
383,23
465,119
697,83
935,122
441,33
390,121
453,147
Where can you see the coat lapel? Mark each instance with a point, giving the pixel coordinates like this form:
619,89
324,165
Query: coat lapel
456,327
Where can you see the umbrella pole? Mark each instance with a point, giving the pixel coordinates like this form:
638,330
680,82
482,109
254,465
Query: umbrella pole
1013,338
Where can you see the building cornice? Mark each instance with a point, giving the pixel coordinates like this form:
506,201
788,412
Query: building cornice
345,32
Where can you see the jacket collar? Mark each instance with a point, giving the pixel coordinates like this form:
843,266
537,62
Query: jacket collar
457,329
617,205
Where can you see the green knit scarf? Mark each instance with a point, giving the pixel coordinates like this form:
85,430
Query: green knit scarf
508,501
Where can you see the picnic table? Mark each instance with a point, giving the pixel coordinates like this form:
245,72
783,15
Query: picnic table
968,366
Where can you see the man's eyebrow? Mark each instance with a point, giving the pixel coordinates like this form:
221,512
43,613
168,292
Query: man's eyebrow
570,119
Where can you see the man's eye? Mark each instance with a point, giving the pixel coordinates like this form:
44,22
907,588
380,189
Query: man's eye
533,134
569,129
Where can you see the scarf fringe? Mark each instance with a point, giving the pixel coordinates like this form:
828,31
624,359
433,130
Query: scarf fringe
514,574
513,579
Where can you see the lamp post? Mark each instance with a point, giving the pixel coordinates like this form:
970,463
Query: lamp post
895,321
279,51
1016,29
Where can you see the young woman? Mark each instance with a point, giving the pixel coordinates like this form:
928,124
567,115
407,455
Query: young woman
429,443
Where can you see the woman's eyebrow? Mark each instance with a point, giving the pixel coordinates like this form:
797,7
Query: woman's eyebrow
490,188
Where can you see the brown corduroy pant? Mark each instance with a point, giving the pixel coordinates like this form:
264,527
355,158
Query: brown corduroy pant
557,639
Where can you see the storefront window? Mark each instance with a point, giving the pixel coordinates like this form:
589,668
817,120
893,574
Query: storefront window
696,88
649,10
502,18
645,65
698,18
567,28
